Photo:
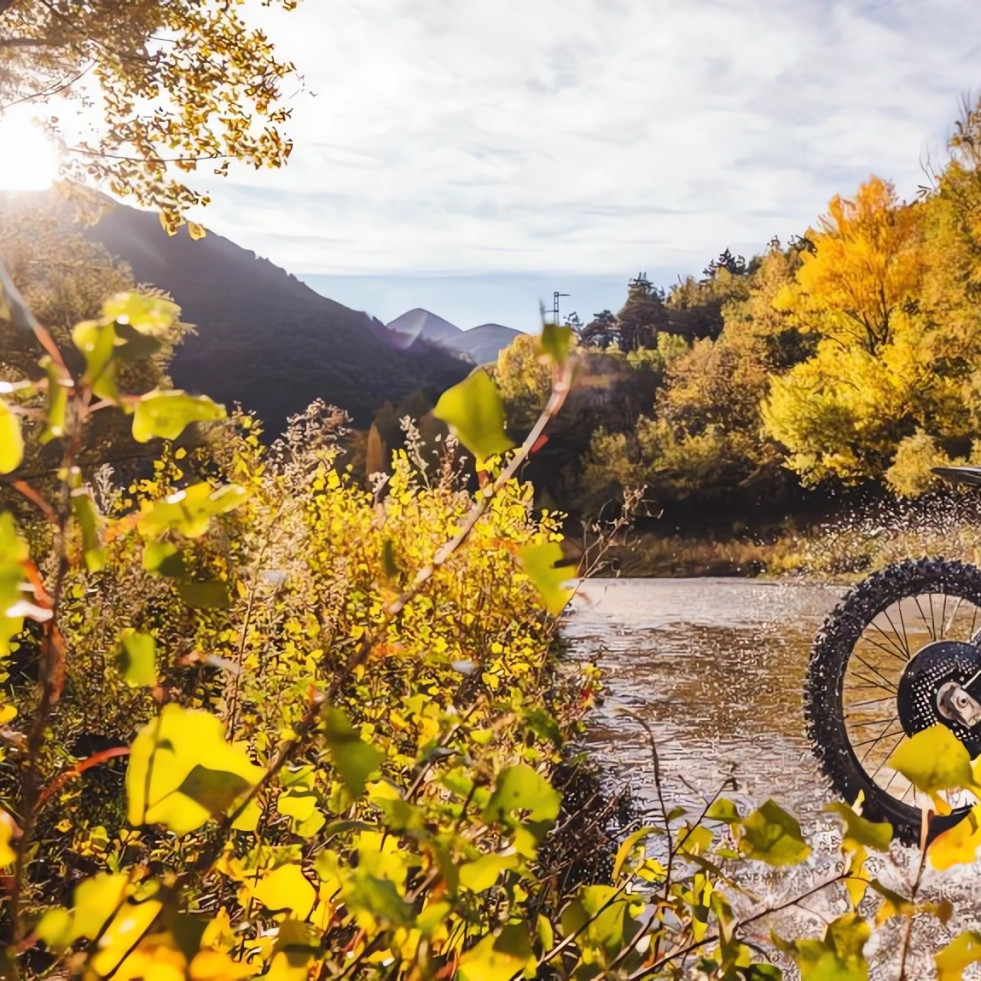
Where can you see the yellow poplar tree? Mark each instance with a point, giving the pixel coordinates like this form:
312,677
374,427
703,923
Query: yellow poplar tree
842,412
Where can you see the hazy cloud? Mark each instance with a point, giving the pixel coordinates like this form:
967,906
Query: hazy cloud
592,135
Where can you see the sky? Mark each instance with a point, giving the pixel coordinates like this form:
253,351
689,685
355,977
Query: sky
472,157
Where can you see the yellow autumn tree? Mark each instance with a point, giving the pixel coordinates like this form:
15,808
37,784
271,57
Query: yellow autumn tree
860,271
869,384
165,86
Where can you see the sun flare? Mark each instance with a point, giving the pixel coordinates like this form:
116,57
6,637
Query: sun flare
28,161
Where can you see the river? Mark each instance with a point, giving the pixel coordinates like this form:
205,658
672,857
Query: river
714,669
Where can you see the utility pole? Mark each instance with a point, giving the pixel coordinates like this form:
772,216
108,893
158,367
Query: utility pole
555,306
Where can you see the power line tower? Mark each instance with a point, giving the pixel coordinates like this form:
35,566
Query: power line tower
555,306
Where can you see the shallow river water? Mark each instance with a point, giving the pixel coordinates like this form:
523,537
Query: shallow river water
714,668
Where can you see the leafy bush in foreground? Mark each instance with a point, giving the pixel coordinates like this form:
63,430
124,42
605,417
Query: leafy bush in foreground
259,721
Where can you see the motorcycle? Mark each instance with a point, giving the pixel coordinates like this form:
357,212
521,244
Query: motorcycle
900,653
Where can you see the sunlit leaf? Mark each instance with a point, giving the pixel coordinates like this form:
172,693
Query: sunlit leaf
151,315
195,230
773,836
214,965
97,341
8,831
839,956
137,659
962,951
521,788
166,414
13,555
958,845
474,410
539,563
498,957
628,845
286,889
933,760
293,953
190,511
57,399
163,558
353,758
11,440
483,872
181,770
861,831
724,810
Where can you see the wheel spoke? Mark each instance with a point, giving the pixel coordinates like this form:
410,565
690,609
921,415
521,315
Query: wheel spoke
902,653
916,600
887,684
882,763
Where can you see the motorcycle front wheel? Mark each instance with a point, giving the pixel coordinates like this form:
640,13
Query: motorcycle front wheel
877,673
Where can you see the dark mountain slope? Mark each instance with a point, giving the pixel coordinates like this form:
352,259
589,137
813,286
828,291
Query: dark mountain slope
264,338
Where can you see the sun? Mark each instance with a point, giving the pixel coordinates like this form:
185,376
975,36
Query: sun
28,161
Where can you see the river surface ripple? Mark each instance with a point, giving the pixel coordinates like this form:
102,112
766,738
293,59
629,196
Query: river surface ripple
714,668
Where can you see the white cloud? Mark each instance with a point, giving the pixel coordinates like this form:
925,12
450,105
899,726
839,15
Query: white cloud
591,135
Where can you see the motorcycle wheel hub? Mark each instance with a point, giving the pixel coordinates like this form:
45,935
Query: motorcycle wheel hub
932,667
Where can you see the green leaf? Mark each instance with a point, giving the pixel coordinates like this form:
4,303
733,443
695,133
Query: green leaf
496,958
150,315
97,341
353,758
556,342
539,563
13,555
181,770
379,898
163,558
83,508
520,788
166,414
204,595
11,440
839,956
213,789
724,810
933,760
475,412
137,659
627,846
132,345
773,836
190,511
57,399
859,831
963,950
483,872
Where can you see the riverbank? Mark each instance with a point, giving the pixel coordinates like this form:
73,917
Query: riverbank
842,546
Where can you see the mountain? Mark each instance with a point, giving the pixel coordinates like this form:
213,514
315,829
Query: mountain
479,344
421,323
264,338
482,344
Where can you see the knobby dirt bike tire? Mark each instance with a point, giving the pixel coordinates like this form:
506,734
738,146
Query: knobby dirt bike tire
823,690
